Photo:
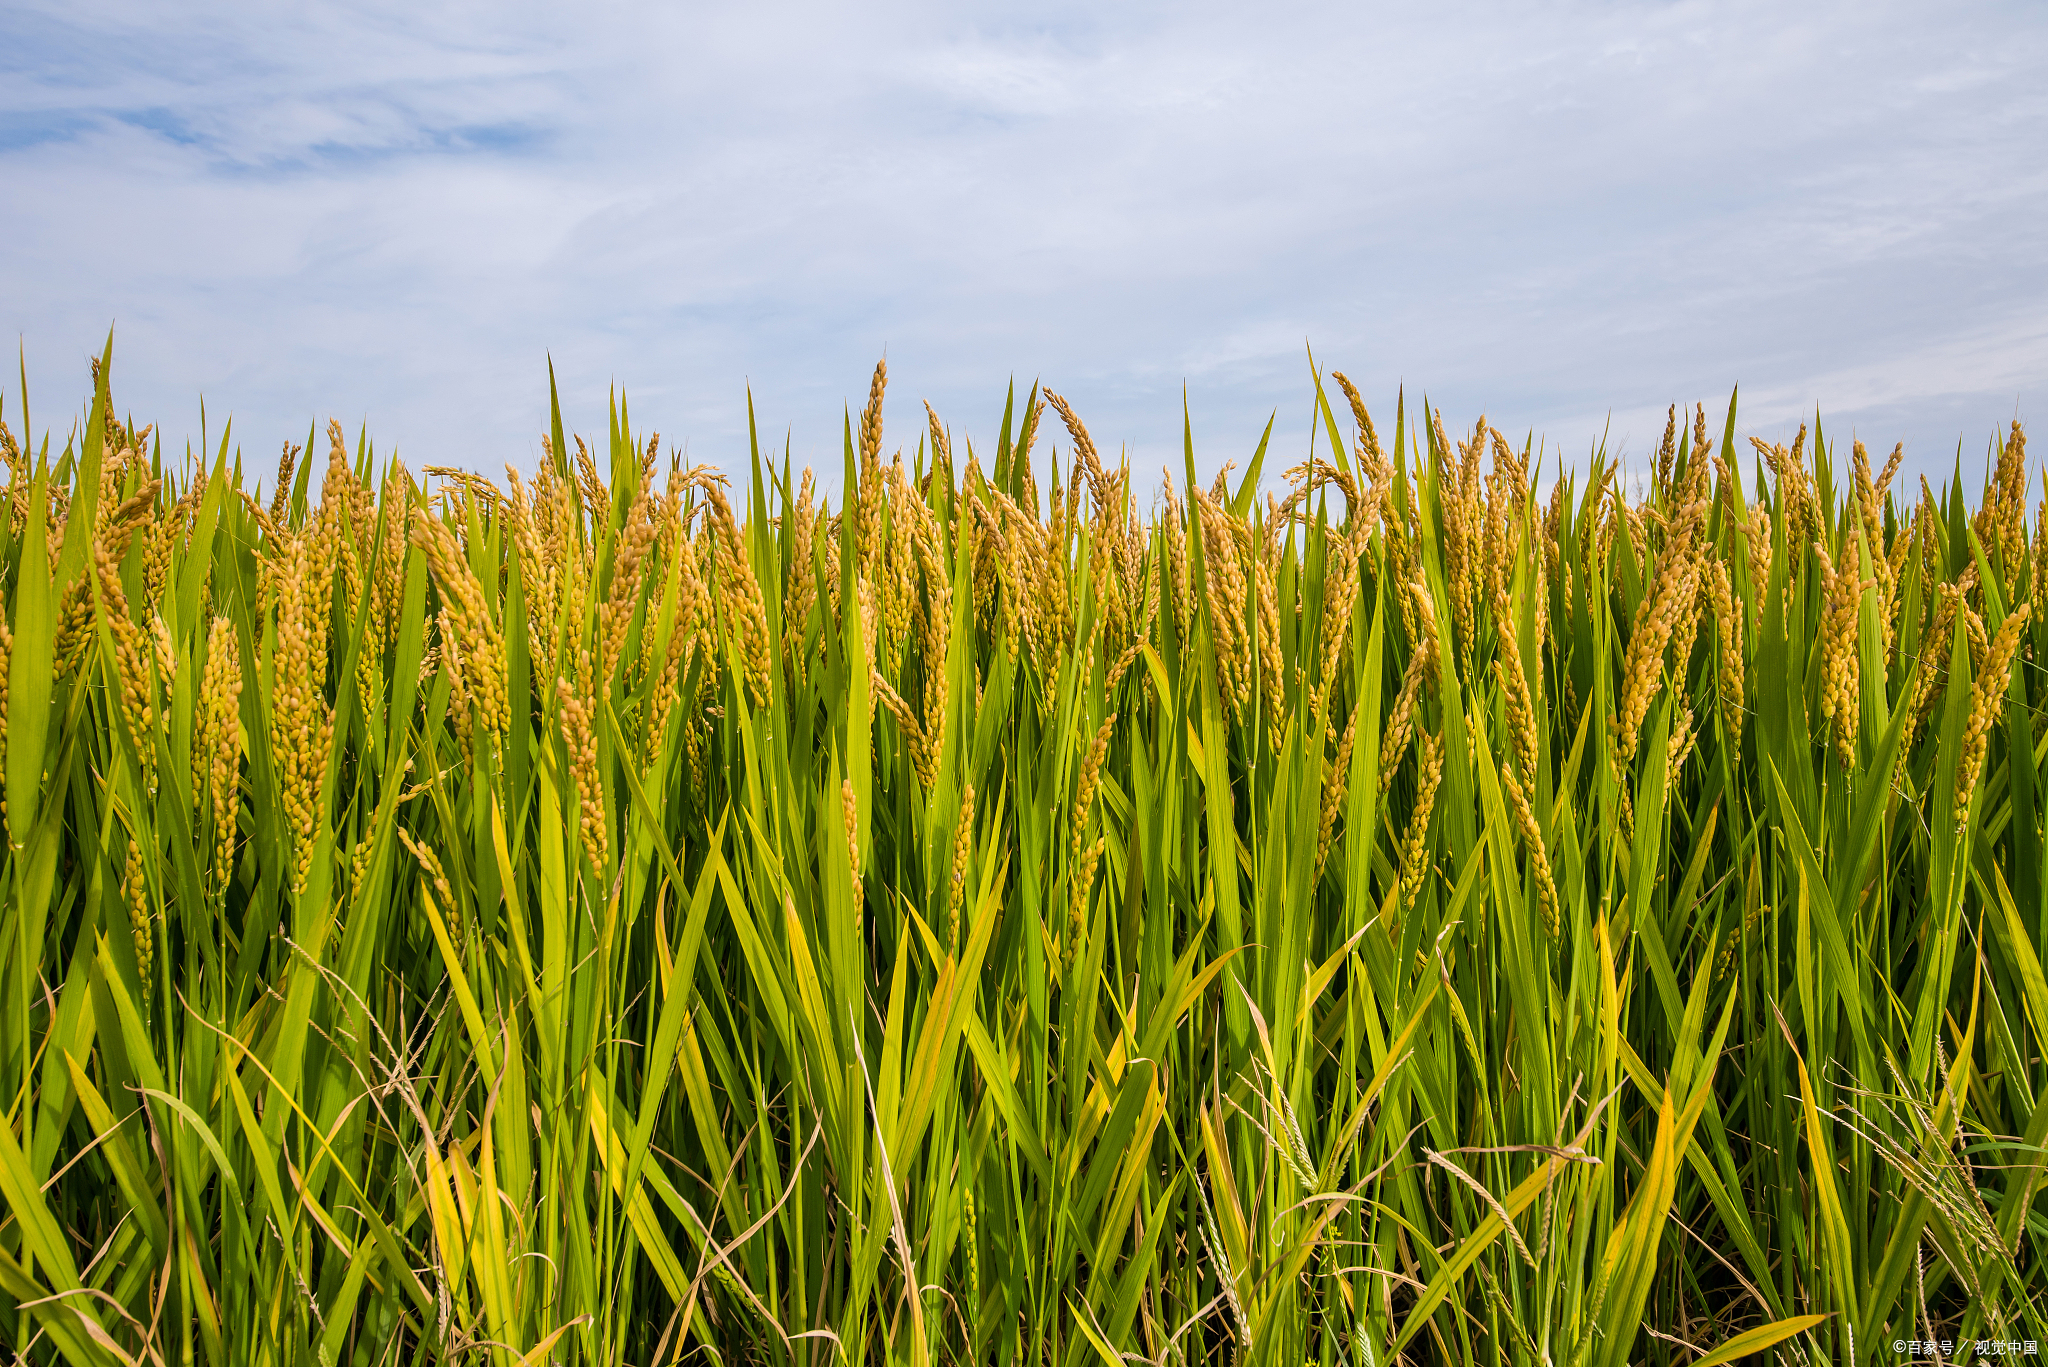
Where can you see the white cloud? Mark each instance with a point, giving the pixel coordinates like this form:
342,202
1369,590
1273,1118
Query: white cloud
1552,213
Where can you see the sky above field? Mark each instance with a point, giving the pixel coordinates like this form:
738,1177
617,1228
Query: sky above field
1566,216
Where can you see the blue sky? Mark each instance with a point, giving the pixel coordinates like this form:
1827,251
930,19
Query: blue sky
1565,215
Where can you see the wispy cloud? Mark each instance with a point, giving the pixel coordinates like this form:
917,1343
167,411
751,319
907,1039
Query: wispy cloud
1569,215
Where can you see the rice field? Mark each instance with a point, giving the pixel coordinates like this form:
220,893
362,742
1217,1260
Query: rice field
1423,905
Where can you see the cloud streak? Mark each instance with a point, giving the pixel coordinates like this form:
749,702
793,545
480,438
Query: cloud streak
1568,215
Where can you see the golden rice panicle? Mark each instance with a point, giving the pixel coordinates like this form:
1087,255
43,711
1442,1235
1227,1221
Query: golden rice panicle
220,738
18,476
1335,787
1671,595
629,568
462,699
579,735
2040,570
995,581
1841,592
142,925
1080,866
1869,495
896,582
1271,680
1340,598
1027,485
117,525
867,505
1728,642
6,668
1667,452
741,592
1371,460
1401,721
1935,643
1758,533
467,620
387,574
967,1237
301,722
922,759
1472,511
942,450
801,594
537,575
164,534
1414,848
342,500
1082,883
1024,539
1421,664
1461,557
430,864
1539,853
281,497
1519,703
1794,493
1904,542
1173,531
1987,703
935,614
133,655
1552,525
849,813
1512,467
2009,505
1973,625
1086,459
963,852
692,607
1677,748
1867,507
597,498
1685,629
1223,577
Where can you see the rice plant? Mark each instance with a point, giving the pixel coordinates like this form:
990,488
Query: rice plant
1425,905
